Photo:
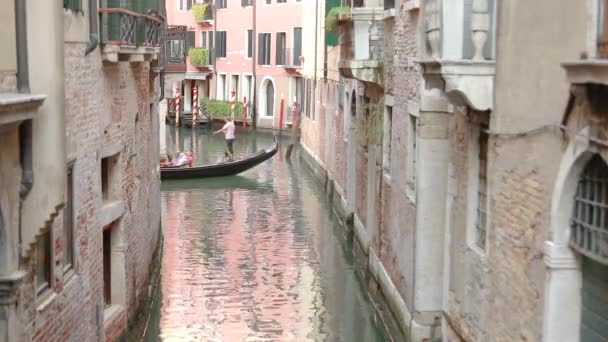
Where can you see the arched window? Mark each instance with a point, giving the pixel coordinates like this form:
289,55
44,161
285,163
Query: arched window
589,222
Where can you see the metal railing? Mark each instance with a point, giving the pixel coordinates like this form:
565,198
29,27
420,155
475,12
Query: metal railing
289,57
123,27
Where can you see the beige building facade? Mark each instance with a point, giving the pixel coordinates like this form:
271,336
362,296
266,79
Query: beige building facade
480,205
79,185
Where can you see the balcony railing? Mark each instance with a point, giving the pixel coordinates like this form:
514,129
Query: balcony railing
173,49
123,27
289,57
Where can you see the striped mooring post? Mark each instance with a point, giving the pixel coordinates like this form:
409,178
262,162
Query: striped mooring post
194,102
177,105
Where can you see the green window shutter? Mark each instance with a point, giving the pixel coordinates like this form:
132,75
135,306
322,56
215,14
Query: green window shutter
190,38
331,38
74,5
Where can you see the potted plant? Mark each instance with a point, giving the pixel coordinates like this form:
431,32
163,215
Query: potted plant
198,56
336,16
201,12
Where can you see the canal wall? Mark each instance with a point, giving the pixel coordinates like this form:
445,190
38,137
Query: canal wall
389,293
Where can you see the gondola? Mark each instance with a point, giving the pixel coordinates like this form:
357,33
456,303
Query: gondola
228,168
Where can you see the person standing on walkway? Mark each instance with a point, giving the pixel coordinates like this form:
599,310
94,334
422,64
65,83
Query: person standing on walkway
228,131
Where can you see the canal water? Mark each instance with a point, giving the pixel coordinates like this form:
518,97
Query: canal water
255,257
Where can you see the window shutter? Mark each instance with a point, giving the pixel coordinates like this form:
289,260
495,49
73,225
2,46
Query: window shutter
190,38
210,46
297,45
261,49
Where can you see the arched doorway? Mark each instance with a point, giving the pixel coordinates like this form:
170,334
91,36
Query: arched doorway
267,97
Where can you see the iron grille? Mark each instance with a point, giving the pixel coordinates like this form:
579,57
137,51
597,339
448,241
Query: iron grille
589,222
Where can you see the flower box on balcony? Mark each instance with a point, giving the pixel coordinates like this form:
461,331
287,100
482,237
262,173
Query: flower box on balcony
199,57
337,16
202,13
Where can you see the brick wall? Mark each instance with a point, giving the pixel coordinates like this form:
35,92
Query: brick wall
398,211
102,103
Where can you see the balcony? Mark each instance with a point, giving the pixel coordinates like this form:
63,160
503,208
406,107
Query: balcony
203,13
461,57
289,59
592,68
201,58
129,36
173,49
362,42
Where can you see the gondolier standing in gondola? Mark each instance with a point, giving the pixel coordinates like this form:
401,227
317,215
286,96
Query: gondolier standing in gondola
228,131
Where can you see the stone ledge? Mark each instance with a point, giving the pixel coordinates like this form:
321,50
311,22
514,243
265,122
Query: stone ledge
587,71
369,71
114,53
17,107
467,82
110,211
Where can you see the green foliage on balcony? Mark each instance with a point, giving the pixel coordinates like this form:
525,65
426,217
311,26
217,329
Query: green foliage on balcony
221,109
331,21
201,12
198,56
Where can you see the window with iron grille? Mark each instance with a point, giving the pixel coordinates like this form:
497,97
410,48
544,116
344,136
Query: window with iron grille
589,222
74,5
482,190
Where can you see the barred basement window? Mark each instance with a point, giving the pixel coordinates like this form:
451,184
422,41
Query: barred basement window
589,223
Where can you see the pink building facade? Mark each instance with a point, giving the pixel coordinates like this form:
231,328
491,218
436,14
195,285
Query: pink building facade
254,51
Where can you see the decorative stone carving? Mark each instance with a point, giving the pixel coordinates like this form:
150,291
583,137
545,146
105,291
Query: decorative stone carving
433,27
480,25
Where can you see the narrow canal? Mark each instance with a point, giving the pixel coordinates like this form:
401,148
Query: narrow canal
255,257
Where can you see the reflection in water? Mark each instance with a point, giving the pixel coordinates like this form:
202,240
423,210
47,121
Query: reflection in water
256,257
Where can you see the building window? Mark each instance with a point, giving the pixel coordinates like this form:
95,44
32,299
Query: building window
68,222
220,47
281,1
246,3
221,3
264,49
281,55
234,85
307,95
589,222
410,169
248,83
602,29
249,43
74,5
109,178
268,2
107,265
43,262
189,4
221,88
482,189
387,137
207,40
297,45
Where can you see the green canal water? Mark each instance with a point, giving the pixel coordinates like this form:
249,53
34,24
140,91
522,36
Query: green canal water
255,257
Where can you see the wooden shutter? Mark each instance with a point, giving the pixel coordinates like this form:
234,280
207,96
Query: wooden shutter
190,39
297,45
261,49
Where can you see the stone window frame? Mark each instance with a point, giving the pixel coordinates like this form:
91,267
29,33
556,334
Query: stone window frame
411,150
70,205
475,126
563,278
387,135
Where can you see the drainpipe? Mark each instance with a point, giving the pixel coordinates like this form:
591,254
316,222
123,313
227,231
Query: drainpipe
254,99
23,77
314,85
93,27
25,130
